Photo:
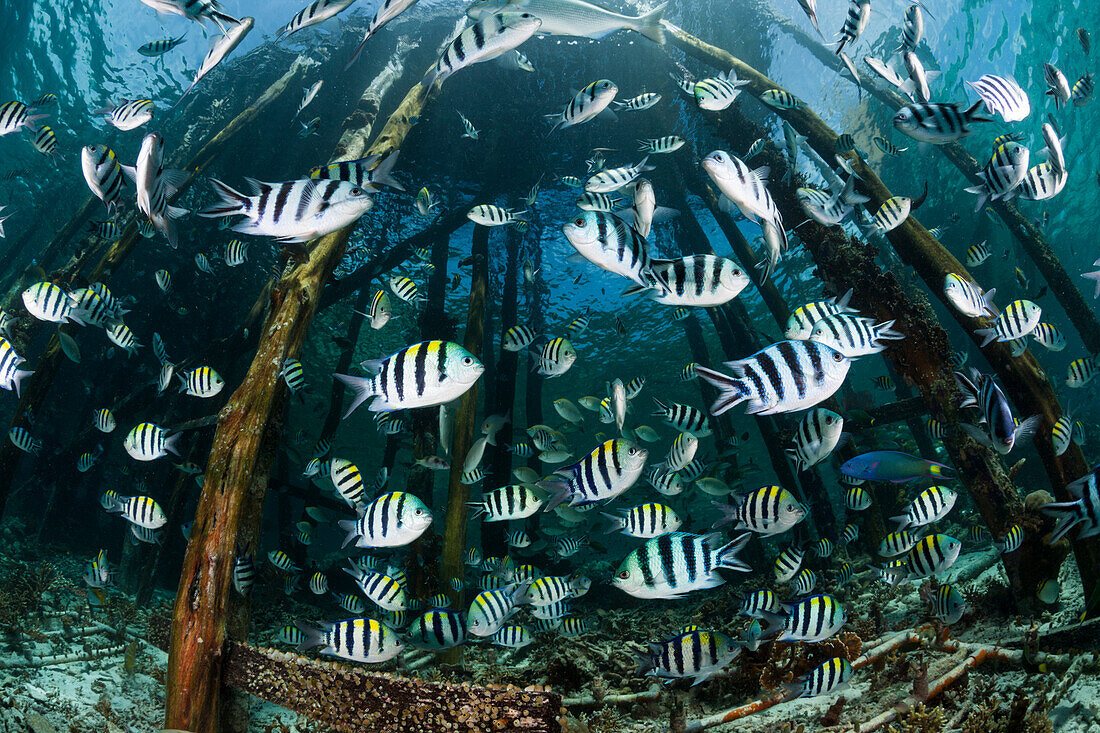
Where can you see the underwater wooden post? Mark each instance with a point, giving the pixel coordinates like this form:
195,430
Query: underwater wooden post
536,292
241,455
465,421
1022,377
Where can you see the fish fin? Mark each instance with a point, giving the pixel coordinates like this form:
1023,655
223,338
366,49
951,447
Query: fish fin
989,335
607,115
635,289
649,24
726,556
977,434
731,390
130,172
1027,428
381,172
173,179
361,388
233,202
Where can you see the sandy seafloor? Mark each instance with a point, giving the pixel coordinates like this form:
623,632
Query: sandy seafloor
125,692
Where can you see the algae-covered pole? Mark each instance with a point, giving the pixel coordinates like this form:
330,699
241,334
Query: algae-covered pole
853,266
465,421
235,482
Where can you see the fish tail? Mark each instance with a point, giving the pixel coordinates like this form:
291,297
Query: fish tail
1068,514
649,24
381,173
362,389
989,335
731,390
311,637
233,202
726,556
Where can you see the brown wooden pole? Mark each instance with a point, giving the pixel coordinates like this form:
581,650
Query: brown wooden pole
465,420
236,477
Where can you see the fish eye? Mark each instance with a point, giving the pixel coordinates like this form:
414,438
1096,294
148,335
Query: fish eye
633,451
578,222
838,357
467,360
623,574
829,421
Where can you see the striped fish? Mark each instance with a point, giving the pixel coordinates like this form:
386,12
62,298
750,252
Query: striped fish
645,521
675,564
968,298
405,289
570,546
1002,175
585,105
887,147
437,629
1002,95
780,99
45,141
893,212
769,510
164,280
747,189
588,201
1043,182
802,319
350,602
421,375
556,357
120,335
318,584
47,302
685,418
514,501
977,254
824,547
844,574
697,280
292,211
938,124
127,114
850,534
932,554
489,215
931,505
202,382
236,252
348,481
15,116
695,655
106,229
756,603
804,582
681,452
22,439
640,102
718,92
140,510
358,639
573,626
832,674
108,499
203,264
155,185
290,635
367,173
666,483
661,145
784,377
164,378
518,338
11,376
855,22
492,36
854,336
1082,90
947,604
1062,434
1084,510
810,620
492,608
283,561
104,421
379,588
613,179
392,520
293,374
913,29
160,47
787,564
896,543
817,435
688,373
548,590
609,470
316,12
1081,371
1010,540
147,442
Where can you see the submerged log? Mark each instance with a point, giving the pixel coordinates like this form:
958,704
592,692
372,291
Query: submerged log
235,482
465,421
923,356
351,699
